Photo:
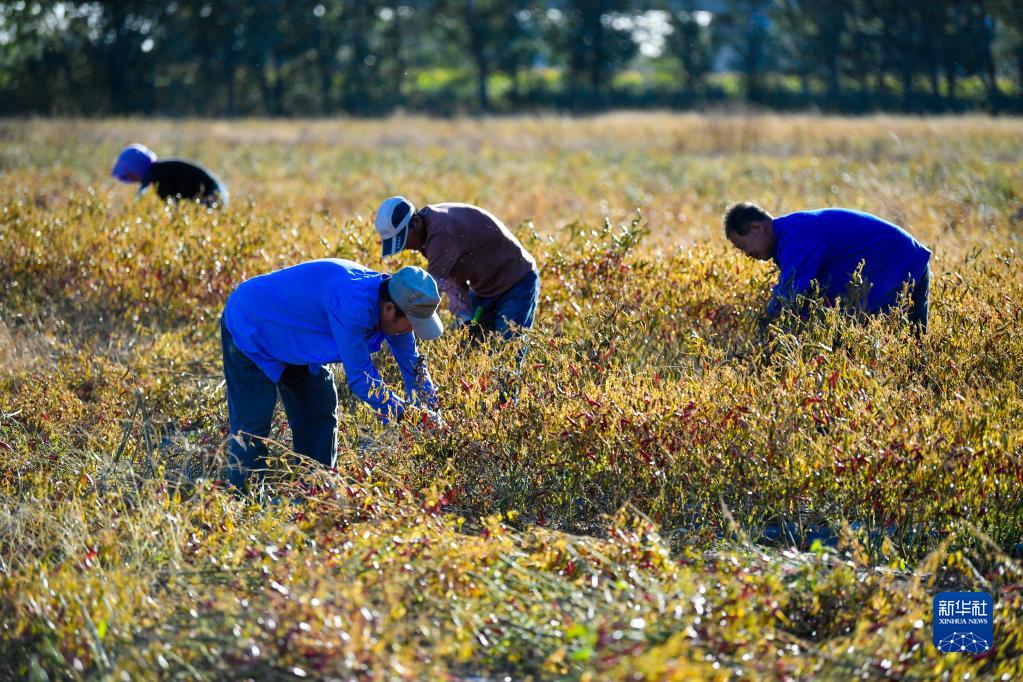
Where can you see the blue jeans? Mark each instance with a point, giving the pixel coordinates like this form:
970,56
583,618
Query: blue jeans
517,305
310,402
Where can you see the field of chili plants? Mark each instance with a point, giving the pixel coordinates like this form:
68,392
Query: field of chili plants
674,494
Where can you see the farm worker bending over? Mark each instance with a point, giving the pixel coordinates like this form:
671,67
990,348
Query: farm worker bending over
173,178
828,245
279,330
488,277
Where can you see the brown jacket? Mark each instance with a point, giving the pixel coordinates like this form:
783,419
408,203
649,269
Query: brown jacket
467,248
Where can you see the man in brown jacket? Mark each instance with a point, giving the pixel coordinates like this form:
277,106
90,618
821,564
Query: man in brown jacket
488,277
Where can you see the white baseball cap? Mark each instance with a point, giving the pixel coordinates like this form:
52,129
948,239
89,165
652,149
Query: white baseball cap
392,221
414,291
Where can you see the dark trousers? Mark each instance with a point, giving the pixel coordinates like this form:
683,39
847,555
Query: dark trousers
510,314
920,308
517,305
310,403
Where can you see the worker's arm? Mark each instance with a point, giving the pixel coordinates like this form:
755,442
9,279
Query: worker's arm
442,254
459,302
361,374
800,266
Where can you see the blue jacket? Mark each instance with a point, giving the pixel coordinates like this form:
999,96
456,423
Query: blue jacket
828,245
320,312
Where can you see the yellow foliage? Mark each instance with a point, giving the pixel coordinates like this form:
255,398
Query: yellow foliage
648,507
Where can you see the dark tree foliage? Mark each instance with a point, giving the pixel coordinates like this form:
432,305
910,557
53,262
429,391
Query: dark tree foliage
690,43
494,34
370,57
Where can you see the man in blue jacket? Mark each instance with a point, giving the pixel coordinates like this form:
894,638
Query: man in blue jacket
828,246
279,332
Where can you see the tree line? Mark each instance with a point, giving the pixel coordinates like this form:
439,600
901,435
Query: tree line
370,57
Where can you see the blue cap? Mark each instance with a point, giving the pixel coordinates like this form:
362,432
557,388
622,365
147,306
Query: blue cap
414,291
134,164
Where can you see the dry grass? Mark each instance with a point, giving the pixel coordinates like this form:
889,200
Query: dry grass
622,520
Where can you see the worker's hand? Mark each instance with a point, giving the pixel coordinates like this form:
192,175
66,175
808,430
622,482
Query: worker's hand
466,317
434,420
427,420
